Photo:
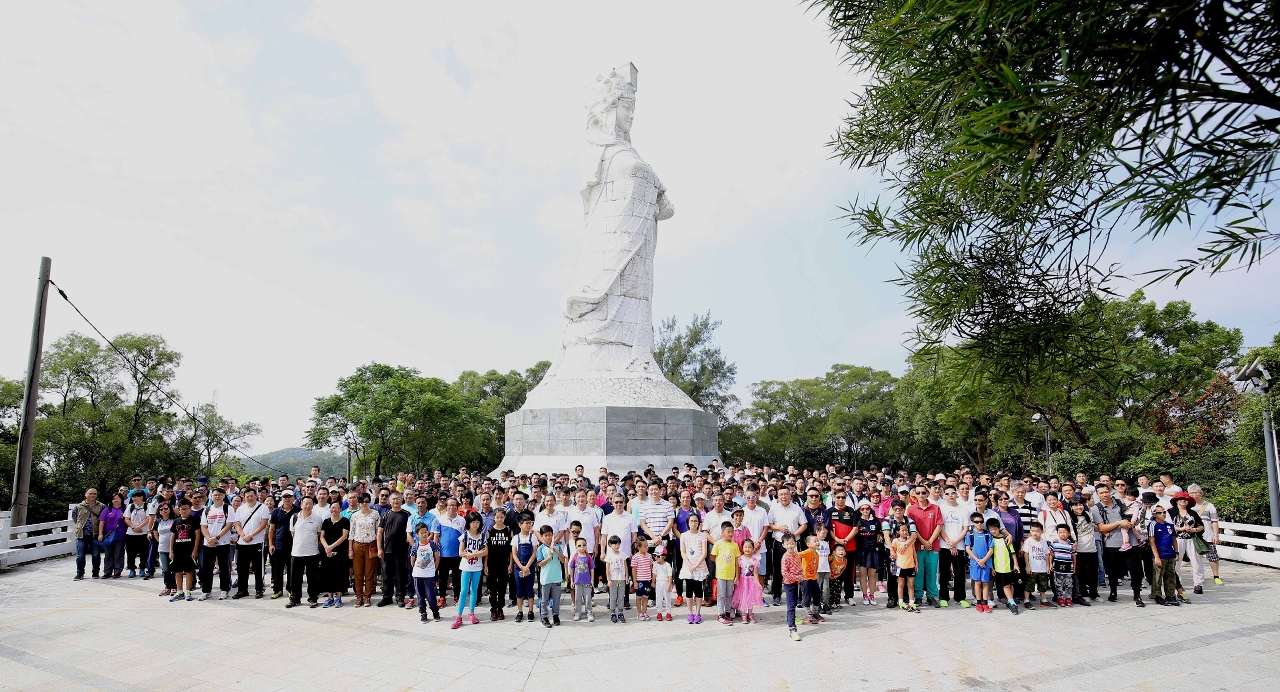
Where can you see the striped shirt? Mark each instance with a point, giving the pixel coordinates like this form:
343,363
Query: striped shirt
655,515
643,564
1027,513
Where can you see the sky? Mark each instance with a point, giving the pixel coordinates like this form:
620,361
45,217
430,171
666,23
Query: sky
285,191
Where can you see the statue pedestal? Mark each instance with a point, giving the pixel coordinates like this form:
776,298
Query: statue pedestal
620,438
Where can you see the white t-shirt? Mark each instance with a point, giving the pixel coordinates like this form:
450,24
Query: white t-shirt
306,534
424,563
954,522
755,520
252,519
138,517
471,544
790,516
213,519
556,520
620,525
1036,499
164,534
616,564
1038,554
712,521
586,517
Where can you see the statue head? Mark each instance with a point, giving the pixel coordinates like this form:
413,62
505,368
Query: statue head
610,101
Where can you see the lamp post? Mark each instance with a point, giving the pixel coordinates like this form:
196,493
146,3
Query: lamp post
1258,376
1048,458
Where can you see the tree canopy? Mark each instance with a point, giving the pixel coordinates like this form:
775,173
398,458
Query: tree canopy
693,362
1016,137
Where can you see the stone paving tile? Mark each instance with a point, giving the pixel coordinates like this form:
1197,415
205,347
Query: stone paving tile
66,635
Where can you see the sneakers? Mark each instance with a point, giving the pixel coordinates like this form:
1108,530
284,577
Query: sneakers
204,596
1028,605
1139,603
964,604
849,600
612,618
880,587
546,623
222,595
697,619
934,603
237,595
776,602
1013,607
178,597
1216,580
1112,598
276,595
337,602
576,617
913,608
1048,604
591,617
1198,589
942,603
133,573
457,622
680,601
520,616
1182,598
328,602
795,636
424,617
555,620
188,595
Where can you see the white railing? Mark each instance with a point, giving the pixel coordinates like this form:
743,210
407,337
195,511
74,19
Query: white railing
18,545
1232,546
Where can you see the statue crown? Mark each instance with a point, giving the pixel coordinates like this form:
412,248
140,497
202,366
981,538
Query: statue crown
605,92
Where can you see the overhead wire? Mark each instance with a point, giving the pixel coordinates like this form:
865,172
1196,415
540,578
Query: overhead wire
172,400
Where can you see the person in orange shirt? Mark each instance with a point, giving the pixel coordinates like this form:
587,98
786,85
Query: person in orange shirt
812,594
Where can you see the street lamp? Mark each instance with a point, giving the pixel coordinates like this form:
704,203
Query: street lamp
1258,376
1048,459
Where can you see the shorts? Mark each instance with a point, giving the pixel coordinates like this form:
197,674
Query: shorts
1212,555
1003,579
644,589
692,588
182,562
905,573
979,572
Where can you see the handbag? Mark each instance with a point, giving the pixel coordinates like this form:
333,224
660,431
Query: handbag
1202,547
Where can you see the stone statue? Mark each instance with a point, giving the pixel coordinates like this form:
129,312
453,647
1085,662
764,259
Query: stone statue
608,328
604,402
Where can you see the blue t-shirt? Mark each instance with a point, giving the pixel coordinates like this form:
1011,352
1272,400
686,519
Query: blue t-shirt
980,543
1163,533
451,531
428,521
550,573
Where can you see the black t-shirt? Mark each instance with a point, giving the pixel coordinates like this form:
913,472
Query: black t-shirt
394,527
185,532
333,530
280,527
499,541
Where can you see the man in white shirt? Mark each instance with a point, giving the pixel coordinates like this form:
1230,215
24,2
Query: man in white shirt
715,518
215,526
785,517
251,524
755,519
953,562
585,514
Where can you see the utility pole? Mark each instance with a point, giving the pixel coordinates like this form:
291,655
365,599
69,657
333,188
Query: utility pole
30,399
1257,375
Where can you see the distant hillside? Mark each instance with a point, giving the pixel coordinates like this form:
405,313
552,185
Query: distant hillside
297,461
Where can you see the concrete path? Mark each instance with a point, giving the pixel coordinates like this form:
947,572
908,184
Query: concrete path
56,634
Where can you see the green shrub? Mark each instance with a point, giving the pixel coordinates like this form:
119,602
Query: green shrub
1246,503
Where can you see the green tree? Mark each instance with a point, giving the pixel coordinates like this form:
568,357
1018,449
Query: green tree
861,417
1017,136
692,360
494,395
789,422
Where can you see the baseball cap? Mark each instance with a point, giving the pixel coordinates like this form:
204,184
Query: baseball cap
287,493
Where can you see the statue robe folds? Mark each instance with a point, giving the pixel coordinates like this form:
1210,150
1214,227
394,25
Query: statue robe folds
606,348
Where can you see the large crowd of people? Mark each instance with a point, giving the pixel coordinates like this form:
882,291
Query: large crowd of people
739,540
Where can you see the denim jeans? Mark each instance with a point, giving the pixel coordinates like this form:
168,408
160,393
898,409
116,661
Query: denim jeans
87,545
792,596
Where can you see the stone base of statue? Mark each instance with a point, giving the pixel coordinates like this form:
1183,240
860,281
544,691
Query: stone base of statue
565,423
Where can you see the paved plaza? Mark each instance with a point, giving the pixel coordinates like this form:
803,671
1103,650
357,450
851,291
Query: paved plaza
118,635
